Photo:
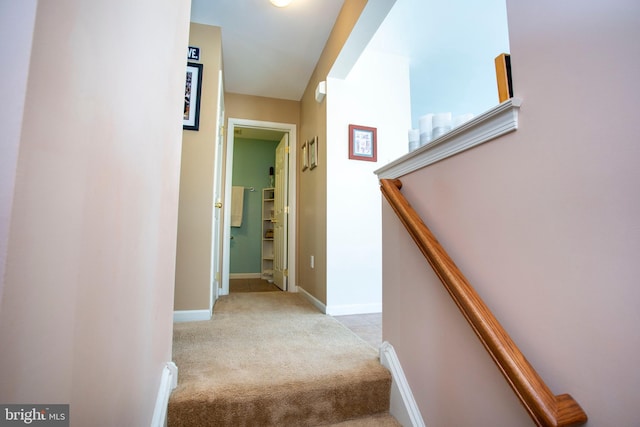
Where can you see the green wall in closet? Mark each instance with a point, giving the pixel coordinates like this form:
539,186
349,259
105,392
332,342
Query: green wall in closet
252,159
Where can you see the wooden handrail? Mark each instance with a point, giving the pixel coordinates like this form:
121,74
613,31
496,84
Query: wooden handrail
545,408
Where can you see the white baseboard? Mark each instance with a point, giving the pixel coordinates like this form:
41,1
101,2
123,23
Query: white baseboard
168,382
340,310
244,276
343,310
403,406
191,315
313,300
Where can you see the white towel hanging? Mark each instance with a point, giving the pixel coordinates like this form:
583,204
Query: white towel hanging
237,202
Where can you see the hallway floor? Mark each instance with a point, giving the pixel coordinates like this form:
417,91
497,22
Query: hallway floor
251,285
366,326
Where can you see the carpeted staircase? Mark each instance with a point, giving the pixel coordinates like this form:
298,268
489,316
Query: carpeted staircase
272,359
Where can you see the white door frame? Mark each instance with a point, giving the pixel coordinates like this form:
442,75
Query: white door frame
282,127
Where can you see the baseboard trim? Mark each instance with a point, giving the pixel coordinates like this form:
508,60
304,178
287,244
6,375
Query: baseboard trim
340,310
191,315
168,382
344,310
313,300
403,406
244,276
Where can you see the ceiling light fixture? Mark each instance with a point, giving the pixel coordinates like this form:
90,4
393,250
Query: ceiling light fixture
280,3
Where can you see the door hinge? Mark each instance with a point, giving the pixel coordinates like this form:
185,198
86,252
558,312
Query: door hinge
286,149
286,210
286,272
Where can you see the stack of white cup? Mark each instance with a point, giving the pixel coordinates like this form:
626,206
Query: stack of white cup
425,123
414,139
433,126
441,124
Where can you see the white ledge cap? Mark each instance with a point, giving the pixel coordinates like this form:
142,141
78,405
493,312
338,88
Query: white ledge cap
498,121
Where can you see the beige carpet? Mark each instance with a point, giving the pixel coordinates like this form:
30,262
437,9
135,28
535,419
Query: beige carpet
272,359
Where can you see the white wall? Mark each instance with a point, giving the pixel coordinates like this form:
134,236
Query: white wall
374,94
458,41
452,45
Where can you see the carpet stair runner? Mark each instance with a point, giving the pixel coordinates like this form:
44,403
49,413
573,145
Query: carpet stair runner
272,359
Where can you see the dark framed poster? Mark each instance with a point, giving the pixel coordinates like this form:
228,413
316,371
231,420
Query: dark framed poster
192,89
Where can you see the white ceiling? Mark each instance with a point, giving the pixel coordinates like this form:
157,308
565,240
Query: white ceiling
269,51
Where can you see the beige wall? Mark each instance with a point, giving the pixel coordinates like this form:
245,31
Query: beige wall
86,316
312,198
193,261
249,107
543,222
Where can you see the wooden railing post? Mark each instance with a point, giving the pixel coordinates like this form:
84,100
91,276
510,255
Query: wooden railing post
545,408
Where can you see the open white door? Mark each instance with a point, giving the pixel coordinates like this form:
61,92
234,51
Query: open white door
281,213
217,231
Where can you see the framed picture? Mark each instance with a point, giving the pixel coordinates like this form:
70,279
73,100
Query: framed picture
192,88
305,156
363,143
313,152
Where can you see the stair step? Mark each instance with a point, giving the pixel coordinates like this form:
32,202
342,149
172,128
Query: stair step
332,400
272,359
378,420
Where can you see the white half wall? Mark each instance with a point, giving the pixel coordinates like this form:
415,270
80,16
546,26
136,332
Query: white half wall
375,94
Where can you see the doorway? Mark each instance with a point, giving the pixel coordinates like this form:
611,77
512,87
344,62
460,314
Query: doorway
253,127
